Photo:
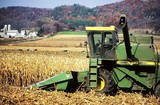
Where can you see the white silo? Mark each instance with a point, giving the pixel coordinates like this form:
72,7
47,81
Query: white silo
5,29
9,27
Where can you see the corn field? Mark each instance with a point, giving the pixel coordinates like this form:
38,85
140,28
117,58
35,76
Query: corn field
23,68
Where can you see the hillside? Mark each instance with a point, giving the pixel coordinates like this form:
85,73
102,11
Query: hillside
22,17
140,13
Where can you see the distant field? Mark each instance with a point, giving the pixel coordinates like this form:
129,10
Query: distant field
66,40
63,40
73,33
56,41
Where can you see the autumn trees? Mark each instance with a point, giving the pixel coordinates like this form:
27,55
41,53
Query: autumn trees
140,14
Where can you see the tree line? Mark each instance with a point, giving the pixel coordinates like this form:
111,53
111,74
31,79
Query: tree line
140,14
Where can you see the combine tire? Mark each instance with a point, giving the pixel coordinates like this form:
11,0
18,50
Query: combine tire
105,82
157,90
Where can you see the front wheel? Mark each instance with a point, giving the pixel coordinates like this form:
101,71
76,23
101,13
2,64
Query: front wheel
157,90
105,82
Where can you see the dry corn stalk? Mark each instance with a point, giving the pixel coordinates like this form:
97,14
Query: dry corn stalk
24,68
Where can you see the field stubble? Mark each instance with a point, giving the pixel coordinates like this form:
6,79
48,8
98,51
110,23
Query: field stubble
21,96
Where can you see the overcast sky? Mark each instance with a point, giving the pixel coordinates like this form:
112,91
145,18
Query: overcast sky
54,3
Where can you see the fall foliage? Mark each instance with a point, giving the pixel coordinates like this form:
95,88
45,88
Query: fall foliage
140,14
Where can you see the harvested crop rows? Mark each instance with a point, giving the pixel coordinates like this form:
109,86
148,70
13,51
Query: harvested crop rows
21,96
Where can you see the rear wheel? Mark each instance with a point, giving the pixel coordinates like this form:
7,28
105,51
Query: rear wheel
157,90
105,82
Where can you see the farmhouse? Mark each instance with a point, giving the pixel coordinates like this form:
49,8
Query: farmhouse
12,33
6,32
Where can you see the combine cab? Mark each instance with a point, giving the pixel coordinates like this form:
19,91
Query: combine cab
131,64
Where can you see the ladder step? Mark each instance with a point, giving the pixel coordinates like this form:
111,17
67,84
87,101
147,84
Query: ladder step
93,77
93,84
93,70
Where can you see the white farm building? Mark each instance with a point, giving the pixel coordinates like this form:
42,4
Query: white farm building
6,32
12,33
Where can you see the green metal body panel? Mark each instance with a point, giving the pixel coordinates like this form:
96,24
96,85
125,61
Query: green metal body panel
61,81
120,80
82,75
125,83
61,86
120,73
139,51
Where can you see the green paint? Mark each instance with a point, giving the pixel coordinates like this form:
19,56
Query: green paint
140,51
82,75
61,86
93,62
119,74
63,77
125,83
120,79
133,76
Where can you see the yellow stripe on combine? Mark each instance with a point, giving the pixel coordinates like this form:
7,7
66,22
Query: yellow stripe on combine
147,63
111,28
140,63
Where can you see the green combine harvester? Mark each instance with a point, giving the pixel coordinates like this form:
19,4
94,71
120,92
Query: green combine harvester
131,64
